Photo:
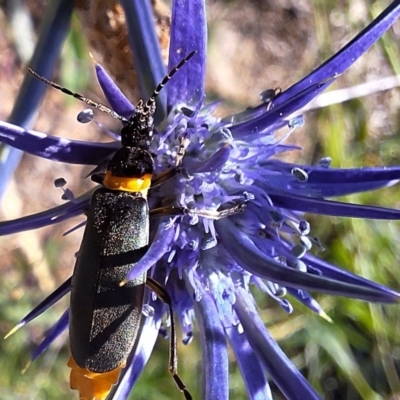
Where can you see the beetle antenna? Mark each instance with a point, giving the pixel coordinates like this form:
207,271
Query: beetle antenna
91,103
166,78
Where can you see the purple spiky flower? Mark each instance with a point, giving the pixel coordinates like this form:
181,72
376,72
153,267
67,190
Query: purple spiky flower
208,266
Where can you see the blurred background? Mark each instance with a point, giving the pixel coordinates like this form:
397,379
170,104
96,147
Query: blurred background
253,45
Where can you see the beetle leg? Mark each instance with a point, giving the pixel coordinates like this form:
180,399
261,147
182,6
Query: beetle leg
171,172
173,357
211,214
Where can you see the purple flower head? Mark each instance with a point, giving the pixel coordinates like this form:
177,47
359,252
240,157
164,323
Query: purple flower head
244,223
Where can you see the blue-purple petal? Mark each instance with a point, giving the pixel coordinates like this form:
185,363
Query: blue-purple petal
56,148
333,272
348,55
53,31
215,372
296,202
249,257
214,163
309,87
271,120
257,386
52,216
159,246
56,295
188,33
285,375
147,59
56,330
117,100
329,182
305,298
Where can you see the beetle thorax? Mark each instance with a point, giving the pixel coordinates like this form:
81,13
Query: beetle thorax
131,162
130,169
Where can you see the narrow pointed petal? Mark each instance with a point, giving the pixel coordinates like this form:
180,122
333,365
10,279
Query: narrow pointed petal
188,33
147,59
117,100
249,257
257,386
348,55
59,293
56,148
330,182
301,93
52,216
53,31
159,246
265,287
57,329
215,373
337,189
312,304
296,202
285,375
214,163
271,120
333,272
